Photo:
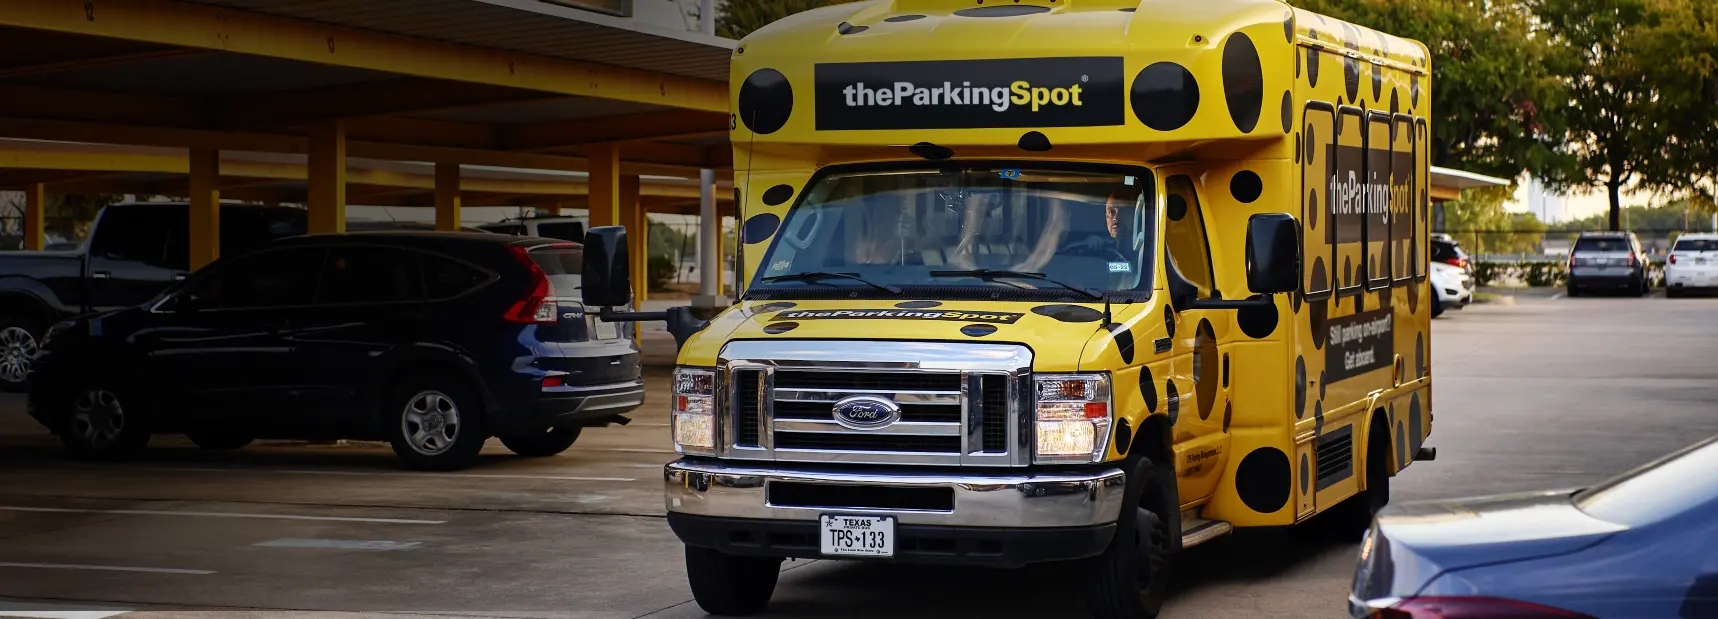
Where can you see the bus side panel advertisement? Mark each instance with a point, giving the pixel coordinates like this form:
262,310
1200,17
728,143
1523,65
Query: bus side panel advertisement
1360,343
971,94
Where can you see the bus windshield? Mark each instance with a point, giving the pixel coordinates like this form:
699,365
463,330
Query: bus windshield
1079,232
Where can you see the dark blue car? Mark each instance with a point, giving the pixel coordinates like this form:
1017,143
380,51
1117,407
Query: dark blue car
434,342
1644,544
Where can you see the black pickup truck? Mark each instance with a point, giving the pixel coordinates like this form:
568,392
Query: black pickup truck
135,251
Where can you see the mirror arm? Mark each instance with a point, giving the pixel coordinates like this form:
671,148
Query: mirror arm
1257,300
682,322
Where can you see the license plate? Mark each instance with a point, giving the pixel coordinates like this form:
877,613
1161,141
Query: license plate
858,536
1699,261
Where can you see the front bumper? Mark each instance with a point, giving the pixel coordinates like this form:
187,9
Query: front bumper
998,519
572,406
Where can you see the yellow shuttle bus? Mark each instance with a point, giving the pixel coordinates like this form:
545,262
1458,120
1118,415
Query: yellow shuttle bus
1079,281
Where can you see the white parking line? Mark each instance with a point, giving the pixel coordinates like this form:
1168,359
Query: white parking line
38,610
106,568
1556,296
149,512
339,544
388,474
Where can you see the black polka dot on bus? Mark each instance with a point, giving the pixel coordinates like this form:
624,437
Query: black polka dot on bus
1258,321
778,194
1312,63
780,327
1305,473
1351,77
1169,321
1288,111
1395,105
917,304
1034,141
766,101
1297,148
846,28
1297,66
1299,387
1347,272
1360,300
1129,9
1414,91
1413,298
901,18
979,330
774,307
1420,356
1318,417
1243,82
1295,301
1311,138
1177,207
1262,480
1319,280
933,152
1124,436
1401,444
1228,414
1148,390
1011,10
1124,342
1288,27
1172,397
1069,313
1414,434
1164,96
759,227
1323,382
1205,368
1245,186
1377,82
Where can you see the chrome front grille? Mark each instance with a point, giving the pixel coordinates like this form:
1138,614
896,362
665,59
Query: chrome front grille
960,403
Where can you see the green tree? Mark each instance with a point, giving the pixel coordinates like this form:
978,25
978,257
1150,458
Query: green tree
740,17
1496,109
1683,44
1614,113
1479,222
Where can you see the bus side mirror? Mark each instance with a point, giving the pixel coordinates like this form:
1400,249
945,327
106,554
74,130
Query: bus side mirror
1273,253
606,273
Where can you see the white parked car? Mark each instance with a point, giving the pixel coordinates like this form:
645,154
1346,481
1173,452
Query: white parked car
1692,264
1451,275
563,227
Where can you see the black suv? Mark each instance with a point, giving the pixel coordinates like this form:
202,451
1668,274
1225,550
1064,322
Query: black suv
432,341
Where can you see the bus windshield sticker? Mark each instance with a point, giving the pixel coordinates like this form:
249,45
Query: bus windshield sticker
937,314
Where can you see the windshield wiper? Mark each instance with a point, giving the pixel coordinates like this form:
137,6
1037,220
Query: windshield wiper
815,276
995,274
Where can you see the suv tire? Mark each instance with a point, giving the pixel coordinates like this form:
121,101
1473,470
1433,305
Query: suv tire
19,338
730,585
103,423
542,444
1130,580
434,422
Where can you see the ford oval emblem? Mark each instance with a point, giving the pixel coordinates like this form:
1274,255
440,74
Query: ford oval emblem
866,412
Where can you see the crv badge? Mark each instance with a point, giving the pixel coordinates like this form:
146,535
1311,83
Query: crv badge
866,412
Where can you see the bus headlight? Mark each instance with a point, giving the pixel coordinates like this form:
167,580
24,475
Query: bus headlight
1073,418
694,411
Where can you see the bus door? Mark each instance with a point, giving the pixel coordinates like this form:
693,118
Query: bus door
1197,396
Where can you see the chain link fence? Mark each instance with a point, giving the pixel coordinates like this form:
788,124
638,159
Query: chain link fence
1541,257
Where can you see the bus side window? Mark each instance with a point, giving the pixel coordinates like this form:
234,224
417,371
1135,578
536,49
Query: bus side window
1184,234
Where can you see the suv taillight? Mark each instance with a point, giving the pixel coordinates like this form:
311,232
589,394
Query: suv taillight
1672,258
1456,261
535,306
1472,608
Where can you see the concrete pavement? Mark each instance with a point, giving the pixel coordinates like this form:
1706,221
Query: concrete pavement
1542,393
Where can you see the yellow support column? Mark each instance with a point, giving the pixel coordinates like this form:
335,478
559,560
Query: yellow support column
35,203
604,199
447,196
327,171
205,206
632,216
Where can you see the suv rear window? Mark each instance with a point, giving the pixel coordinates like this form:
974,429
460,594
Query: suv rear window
566,231
446,278
1442,251
1696,245
1602,243
564,265
513,229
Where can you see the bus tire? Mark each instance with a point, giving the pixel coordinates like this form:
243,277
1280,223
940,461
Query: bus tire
1130,580
1350,519
729,585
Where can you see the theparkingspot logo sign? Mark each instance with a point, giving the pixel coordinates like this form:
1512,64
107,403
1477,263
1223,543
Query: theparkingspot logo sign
970,94
901,314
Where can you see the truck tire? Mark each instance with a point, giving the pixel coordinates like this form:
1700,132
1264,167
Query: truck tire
103,423
218,440
729,585
19,336
434,422
1130,580
542,444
